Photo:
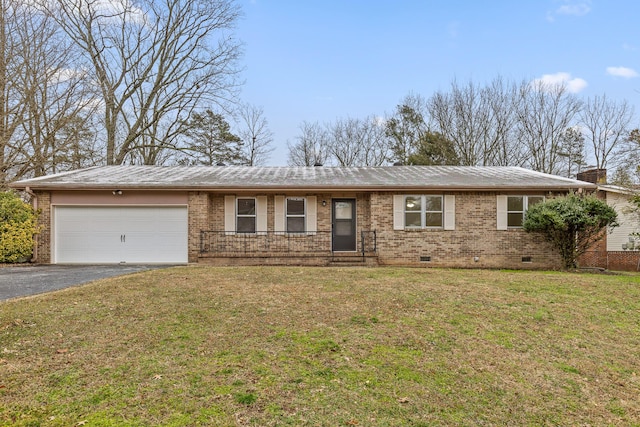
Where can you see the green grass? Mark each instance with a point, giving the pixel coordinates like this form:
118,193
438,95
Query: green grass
272,346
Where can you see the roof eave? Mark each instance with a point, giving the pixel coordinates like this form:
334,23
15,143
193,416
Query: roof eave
315,188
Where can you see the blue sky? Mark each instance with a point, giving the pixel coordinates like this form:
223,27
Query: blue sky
318,60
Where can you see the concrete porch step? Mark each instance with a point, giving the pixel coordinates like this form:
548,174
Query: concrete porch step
352,260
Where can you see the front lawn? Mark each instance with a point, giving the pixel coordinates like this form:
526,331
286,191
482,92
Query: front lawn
267,346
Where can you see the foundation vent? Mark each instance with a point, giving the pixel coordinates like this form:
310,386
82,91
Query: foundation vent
425,259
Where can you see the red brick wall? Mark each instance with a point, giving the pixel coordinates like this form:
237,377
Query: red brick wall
624,260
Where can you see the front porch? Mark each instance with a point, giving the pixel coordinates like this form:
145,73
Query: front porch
279,248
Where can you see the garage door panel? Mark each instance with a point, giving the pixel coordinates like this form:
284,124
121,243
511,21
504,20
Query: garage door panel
120,234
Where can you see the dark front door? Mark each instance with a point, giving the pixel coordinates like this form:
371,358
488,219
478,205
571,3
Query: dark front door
344,224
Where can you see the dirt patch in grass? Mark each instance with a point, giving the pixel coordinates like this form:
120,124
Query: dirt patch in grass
324,346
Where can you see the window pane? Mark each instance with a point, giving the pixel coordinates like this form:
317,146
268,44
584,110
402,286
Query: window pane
343,228
514,219
434,220
534,199
343,210
295,206
246,206
295,225
433,203
412,203
412,219
246,225
515,203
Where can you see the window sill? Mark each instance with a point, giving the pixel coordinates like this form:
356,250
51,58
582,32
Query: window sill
414,229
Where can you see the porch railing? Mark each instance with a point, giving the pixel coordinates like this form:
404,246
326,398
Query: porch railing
224,243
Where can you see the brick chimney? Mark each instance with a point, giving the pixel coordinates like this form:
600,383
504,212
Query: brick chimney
594,176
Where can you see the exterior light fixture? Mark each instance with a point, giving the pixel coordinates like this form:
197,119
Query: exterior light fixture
117,192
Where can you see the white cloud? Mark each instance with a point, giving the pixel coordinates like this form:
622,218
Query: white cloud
573,84
578,9
625,72
570,8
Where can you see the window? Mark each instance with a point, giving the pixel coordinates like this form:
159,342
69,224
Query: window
246,215
295,215
423,211
517,207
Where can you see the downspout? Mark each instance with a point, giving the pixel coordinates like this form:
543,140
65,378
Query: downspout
34,203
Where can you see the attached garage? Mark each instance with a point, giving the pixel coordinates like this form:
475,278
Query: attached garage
120,234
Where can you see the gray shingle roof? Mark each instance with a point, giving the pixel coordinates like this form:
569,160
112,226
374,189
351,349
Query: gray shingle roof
303,178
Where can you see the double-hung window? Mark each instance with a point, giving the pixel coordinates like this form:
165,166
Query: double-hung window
423,211
295,214
517,208
246,215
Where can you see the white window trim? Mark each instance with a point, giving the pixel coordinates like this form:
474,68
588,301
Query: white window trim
424,212
503,209
525,208
303,216
311,214
448,212
254,216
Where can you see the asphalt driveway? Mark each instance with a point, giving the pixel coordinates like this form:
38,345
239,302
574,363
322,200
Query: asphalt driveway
37,279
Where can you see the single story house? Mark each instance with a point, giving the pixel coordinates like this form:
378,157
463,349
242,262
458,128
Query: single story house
446,216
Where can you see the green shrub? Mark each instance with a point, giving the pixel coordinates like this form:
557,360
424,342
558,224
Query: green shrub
572,224
17,227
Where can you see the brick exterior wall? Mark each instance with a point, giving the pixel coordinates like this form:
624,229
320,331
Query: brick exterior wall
475,242
42,253
611,260
216,214
198,214
596,256
623,260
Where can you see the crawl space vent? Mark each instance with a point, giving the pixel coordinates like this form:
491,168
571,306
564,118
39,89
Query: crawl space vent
526,259
425,258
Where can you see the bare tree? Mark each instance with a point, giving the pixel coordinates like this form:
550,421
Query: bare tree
358,142
376,150
55,95
311,147
154,62
544,113
573,150
499,143
606,125
44,95
460,117
480,121
4,142
630,167
255,134
12,107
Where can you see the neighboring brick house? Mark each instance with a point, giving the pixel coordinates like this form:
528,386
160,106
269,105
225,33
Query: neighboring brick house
619,249
445,216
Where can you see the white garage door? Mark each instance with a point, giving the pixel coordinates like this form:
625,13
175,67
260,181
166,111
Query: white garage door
134,235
